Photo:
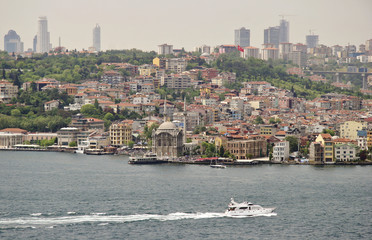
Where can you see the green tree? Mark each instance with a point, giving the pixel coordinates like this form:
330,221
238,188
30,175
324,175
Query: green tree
130,144
15,113
72,144
89,110
109,116
259,120
293,143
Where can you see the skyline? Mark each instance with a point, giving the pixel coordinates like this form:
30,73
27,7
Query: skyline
146,24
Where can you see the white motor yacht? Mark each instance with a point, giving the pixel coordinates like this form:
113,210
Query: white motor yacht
246,209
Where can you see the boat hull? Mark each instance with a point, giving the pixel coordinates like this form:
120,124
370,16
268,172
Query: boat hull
249,212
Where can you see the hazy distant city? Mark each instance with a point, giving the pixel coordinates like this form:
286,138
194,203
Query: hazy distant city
186,119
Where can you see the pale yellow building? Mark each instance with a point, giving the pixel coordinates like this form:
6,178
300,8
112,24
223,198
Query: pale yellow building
326,141
349,129
121,133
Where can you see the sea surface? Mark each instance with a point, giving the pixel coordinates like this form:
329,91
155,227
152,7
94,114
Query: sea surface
75,196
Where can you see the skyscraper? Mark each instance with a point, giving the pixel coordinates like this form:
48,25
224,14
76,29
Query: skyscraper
284,31
312,41
43,37
97,38
271,35
12,42
242,37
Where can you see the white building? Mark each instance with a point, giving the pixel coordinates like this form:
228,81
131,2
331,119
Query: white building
43,36
270,53
165,49
97,38
281,151
345,152
284,50
176,65
251,52
176,81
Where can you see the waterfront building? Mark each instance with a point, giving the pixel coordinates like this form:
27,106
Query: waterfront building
283,31
281,151
43,36
316,152
345,152
67,135
362,139
349,129
7,91
97,38
11,136
38,136
167,140
312,41
121,133
242,37
327,143
252,147
165,49
12,42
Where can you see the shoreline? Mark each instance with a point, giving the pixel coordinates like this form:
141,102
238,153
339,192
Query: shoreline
72,150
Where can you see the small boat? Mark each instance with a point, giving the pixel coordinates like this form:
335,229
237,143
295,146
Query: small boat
217,165
246,209
148,158
82,146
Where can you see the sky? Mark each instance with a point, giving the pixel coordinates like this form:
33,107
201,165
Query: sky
145,24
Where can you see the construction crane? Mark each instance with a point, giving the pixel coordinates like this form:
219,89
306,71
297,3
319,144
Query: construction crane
311,31
286,15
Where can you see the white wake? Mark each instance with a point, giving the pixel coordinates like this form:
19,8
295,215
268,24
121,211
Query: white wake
102,219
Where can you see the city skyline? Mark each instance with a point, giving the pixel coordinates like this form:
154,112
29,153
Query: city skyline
145,25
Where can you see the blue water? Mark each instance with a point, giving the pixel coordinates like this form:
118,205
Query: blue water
74,196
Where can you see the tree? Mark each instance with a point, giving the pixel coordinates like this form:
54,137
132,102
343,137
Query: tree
96,104
15,113
259,120
72,144
293,143
109,116
89,110
130,144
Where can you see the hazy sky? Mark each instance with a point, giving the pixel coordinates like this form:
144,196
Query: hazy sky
144,24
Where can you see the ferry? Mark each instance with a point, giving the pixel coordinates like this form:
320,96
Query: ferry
246,209
148,158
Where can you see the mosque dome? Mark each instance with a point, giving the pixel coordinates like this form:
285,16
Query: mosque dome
167,126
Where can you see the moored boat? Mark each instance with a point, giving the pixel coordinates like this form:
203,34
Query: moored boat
148,158
246,209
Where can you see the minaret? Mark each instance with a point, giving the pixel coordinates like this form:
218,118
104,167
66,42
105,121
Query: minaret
184,121
165,109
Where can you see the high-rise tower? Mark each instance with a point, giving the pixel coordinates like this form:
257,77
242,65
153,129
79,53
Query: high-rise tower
271,36
43,37
242,37
97,38
12,42
312,41
284,31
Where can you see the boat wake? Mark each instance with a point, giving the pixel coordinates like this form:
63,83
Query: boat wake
40,220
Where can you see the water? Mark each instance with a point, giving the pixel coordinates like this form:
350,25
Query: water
74,196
